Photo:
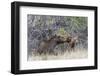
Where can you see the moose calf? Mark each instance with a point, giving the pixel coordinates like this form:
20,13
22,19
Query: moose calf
71,42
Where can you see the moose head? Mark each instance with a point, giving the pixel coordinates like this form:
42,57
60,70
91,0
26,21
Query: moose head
72,41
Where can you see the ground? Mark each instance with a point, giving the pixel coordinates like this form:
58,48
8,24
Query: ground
76,54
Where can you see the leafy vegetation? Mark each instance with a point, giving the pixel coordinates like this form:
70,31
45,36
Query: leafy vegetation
42,27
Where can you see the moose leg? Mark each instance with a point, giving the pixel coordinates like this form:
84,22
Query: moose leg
72,45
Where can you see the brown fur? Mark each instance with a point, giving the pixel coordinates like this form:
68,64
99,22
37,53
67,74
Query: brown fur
72,41
47,46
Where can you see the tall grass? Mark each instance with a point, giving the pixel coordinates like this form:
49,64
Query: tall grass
73,54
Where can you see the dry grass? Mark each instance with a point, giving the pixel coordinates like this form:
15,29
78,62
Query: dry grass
76,54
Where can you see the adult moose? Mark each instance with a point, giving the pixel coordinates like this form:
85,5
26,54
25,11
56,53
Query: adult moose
47,46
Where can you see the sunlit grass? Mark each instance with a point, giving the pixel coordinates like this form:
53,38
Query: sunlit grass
74,54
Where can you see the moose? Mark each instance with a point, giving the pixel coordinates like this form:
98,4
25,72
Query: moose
71,42
47,46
